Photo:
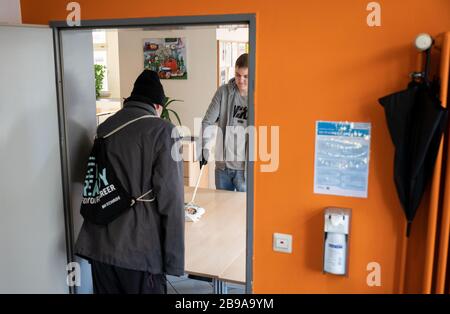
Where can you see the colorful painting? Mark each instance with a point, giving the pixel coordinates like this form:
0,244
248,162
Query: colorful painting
167,56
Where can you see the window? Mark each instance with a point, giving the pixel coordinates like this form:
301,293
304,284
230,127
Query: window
100,53
100,57
99,37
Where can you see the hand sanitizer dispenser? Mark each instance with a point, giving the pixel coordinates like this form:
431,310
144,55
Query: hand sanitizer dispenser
336,240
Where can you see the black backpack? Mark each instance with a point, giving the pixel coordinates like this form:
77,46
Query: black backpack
104,198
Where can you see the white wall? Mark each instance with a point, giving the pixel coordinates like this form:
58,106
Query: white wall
197,91
10,12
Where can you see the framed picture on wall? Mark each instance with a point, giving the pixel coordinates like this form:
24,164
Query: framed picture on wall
167,57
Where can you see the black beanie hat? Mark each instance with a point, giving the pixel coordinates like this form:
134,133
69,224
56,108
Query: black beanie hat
148,88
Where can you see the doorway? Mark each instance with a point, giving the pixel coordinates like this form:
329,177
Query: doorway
78,119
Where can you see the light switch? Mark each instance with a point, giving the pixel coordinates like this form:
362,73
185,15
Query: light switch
282,242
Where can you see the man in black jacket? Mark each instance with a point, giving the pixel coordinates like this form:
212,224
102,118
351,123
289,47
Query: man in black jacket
133,253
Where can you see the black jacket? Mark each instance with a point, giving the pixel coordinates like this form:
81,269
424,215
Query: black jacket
150,236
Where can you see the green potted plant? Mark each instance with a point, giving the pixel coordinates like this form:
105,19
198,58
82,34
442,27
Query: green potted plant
165,114
99,76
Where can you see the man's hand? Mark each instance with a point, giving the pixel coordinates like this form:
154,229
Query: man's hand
203,160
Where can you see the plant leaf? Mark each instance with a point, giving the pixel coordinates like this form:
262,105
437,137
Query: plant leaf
170,101
165,115
176,115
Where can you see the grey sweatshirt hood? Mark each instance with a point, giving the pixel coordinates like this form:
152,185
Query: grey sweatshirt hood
227,109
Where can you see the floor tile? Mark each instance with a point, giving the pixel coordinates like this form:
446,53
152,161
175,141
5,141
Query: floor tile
176,279
189,286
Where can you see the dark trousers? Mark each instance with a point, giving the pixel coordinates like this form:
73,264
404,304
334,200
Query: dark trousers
109,279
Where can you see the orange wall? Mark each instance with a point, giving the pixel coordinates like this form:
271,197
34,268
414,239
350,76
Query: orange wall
314,60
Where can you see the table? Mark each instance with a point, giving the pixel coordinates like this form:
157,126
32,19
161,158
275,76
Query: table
103,115
236,271
215,246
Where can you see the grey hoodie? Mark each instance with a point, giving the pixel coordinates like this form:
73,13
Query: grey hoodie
229,110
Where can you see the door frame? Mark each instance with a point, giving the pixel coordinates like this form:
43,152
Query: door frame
248,19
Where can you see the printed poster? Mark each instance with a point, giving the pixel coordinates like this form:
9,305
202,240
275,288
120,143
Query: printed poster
167,56
342,158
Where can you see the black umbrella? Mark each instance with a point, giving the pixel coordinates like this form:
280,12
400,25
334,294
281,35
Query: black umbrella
416,122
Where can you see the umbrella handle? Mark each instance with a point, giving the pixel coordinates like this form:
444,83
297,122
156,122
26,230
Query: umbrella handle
423,43
196,186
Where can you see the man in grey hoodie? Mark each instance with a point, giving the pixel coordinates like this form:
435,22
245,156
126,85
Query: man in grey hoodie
229,109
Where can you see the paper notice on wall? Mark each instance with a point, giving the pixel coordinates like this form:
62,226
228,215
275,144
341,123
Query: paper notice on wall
342,158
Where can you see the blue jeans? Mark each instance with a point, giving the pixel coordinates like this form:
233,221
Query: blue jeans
231,180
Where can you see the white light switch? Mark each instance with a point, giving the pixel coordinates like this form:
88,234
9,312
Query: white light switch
282,242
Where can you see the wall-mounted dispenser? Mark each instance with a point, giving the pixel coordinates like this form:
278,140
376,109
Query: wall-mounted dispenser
336,240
